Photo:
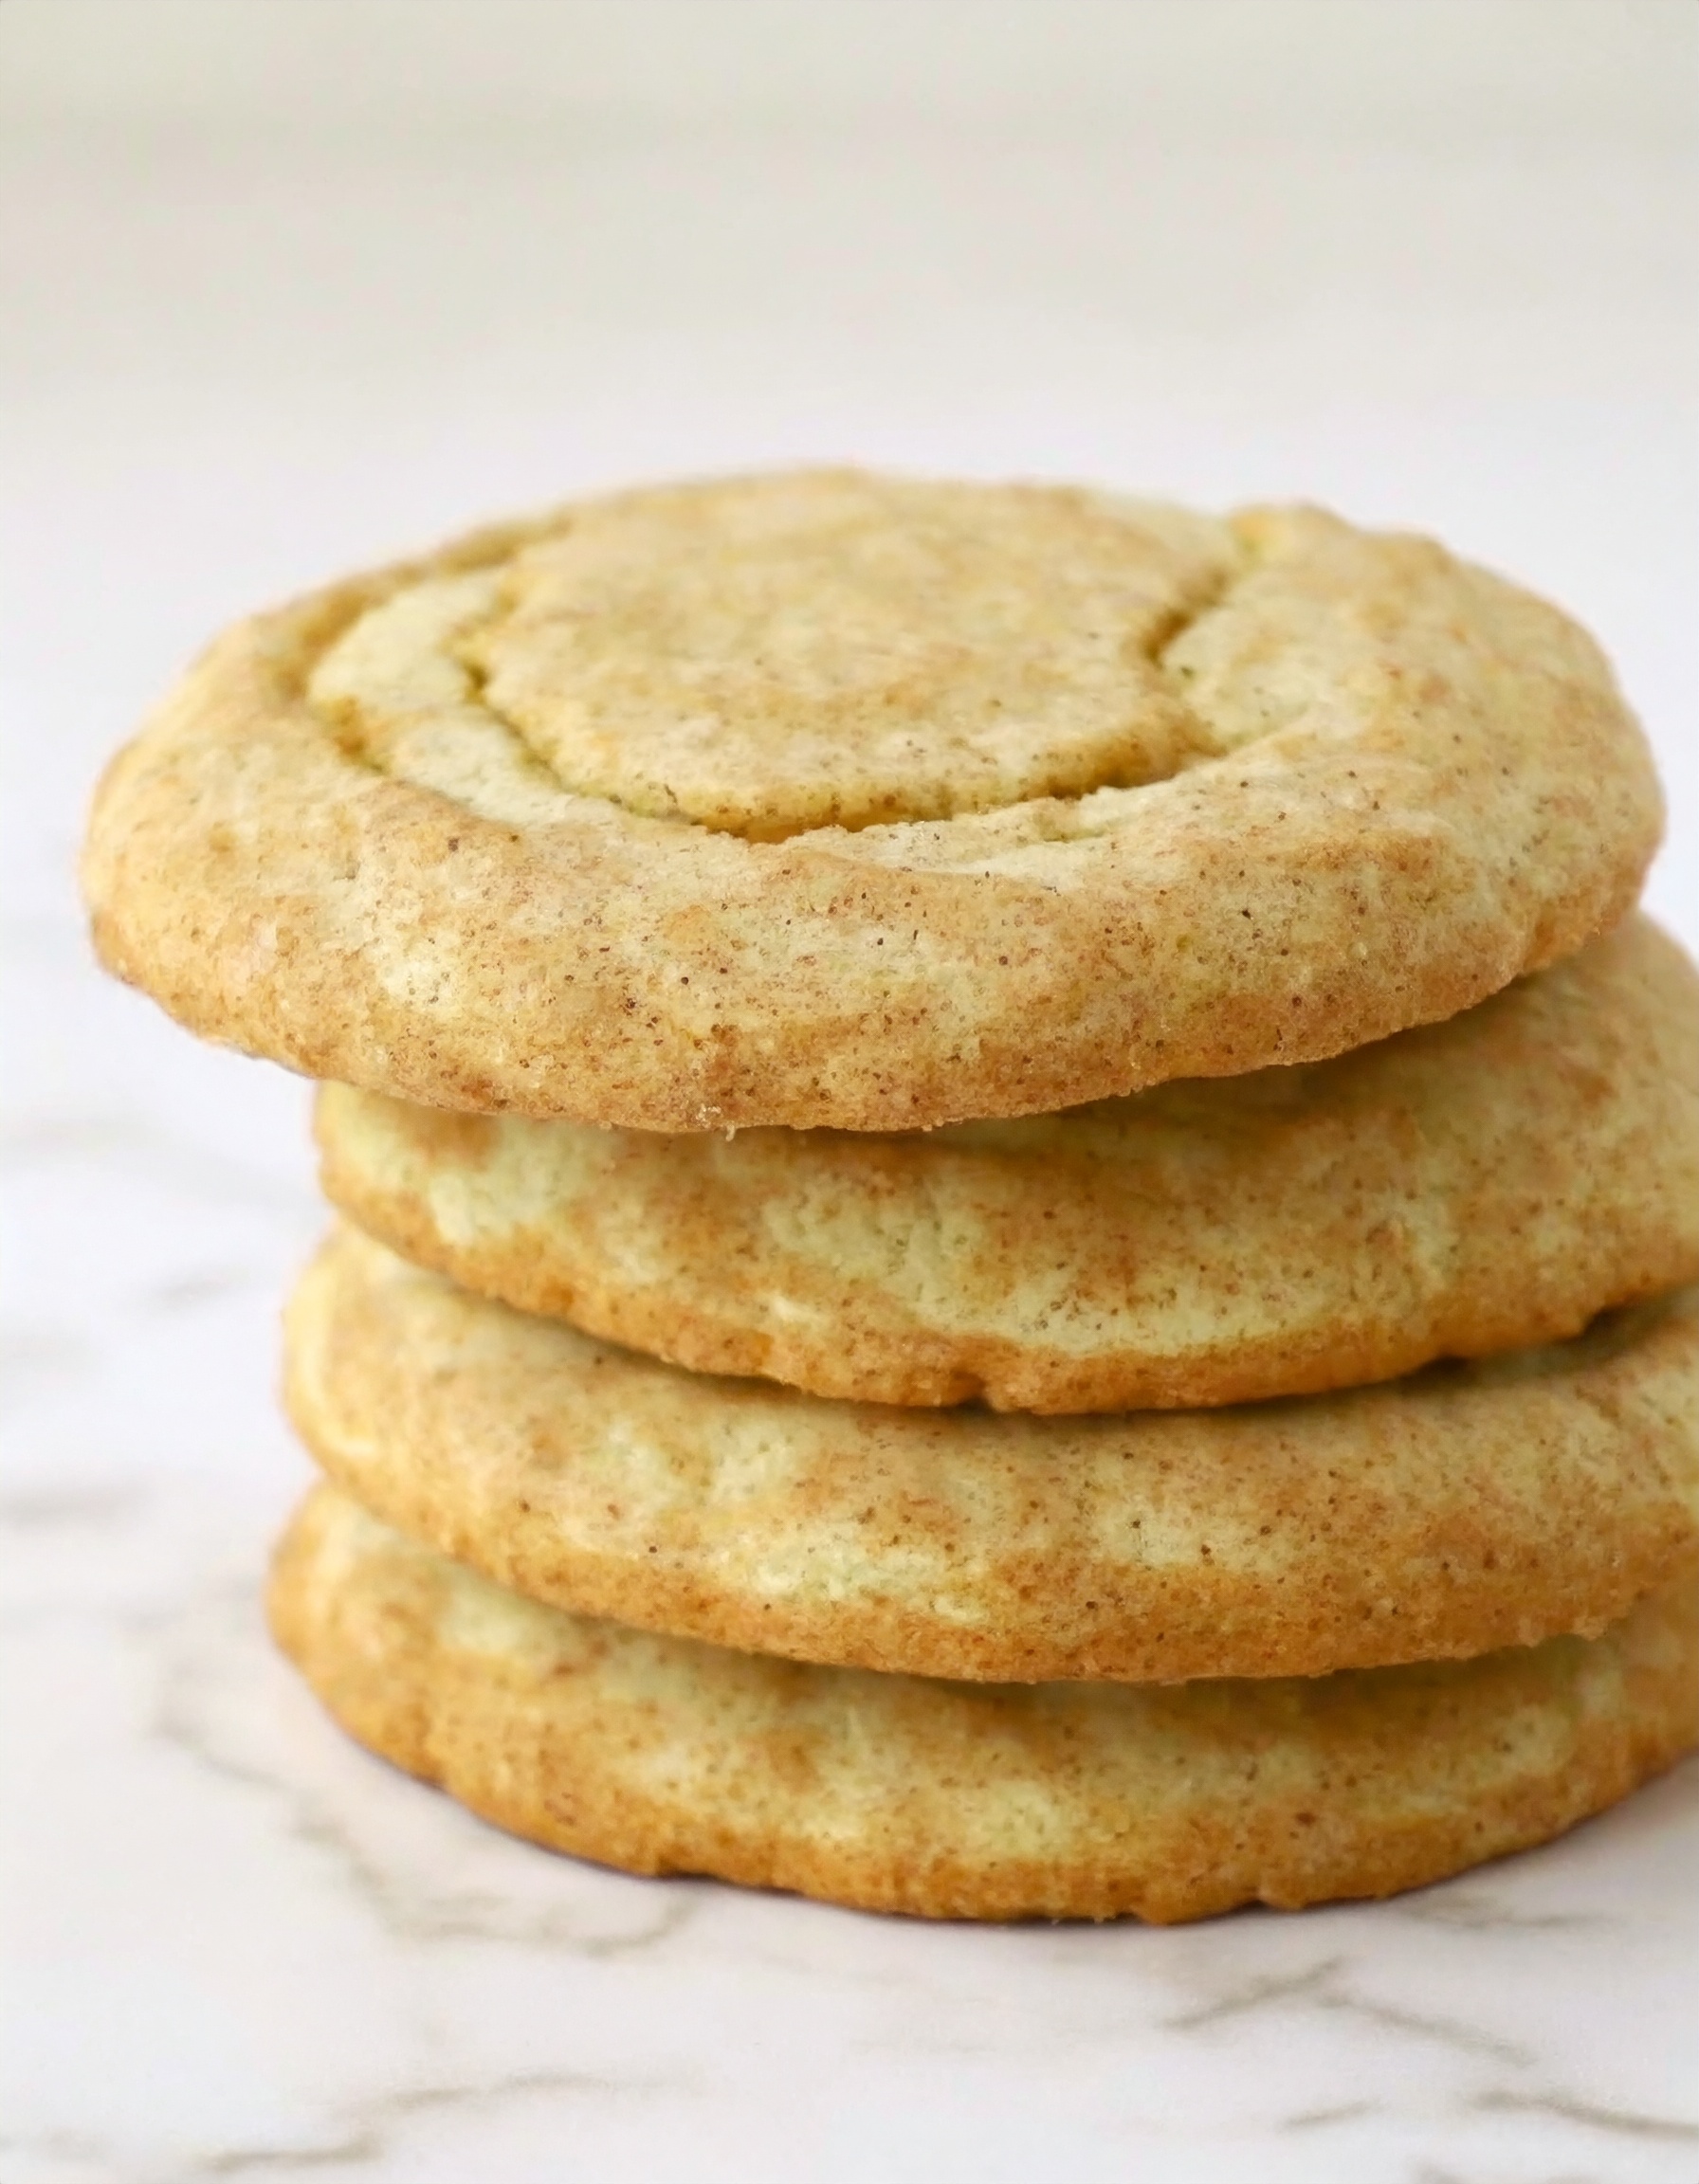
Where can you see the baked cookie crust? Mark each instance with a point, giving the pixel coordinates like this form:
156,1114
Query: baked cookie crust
833,800
1480,1185
956,1801
1469,1507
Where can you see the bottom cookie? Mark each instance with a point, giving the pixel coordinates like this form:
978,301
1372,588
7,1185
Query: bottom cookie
970,1801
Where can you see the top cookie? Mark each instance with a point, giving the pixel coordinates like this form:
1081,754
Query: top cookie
829,799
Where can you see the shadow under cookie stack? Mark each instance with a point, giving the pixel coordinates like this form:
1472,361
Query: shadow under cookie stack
1014,1187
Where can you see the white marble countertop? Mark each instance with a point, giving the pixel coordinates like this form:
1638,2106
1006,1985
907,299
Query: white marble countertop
239,356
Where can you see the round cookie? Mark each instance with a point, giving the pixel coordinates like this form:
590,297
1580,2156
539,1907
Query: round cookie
1479,1185
1470,1507
963,1801
831,799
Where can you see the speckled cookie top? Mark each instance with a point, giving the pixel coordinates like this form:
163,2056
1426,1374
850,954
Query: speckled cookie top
833,799
774,655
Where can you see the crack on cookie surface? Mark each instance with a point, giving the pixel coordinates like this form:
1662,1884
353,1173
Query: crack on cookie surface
776,656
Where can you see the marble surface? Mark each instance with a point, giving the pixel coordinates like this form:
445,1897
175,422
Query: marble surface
238,353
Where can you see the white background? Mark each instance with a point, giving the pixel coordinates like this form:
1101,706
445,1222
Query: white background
290,285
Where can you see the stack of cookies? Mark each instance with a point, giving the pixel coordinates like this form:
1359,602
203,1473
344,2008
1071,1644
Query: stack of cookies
1014,1180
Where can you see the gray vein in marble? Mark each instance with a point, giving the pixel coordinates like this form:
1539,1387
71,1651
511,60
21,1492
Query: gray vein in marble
34,1357
1321,1987
369,2131
1448,2031
1624,2122
1426,2173
1472,1911
1290,1986
182,1717
61,1543
373,2128
1317,2118
77,1616
102,1508
186,1292
54,2145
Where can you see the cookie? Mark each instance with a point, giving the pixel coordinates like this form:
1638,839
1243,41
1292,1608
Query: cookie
1480,1185
834,800
964,1801
1470,1507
